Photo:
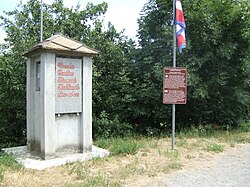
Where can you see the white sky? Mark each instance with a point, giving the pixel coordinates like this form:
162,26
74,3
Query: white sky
121,13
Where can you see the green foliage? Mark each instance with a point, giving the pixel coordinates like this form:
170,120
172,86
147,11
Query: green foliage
112,87
103,143
12,101
7,162
111,84
104,127
124,146
119,146
174,165
201,131
215,148
234,137
241,139
245,127
217,59
146,110
217,54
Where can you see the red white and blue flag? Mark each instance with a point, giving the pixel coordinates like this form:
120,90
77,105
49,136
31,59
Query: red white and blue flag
180,26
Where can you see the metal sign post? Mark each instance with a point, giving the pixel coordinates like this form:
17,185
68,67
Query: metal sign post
174,65
175,85
41,21
174,90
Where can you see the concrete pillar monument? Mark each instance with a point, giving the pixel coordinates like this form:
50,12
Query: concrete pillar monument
59,97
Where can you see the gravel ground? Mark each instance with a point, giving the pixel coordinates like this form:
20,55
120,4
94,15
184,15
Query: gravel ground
229,169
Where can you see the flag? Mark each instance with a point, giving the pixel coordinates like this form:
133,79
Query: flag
180,26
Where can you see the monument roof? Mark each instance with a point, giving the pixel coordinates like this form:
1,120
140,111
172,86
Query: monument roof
62,44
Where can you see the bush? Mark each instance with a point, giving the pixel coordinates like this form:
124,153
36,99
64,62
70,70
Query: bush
105,127
245,127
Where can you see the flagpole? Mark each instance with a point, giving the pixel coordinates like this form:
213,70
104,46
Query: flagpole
41,21
174,65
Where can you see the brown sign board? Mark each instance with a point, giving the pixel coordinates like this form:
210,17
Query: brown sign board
174,85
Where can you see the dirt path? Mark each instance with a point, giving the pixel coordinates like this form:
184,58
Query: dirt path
230,169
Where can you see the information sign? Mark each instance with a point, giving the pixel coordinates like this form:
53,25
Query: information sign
174,85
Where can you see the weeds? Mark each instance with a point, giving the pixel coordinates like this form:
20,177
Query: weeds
182,142
202,131
174,165
79,170
95,181
129,169
119,146
84,174
241,139
125,147
235,137
1,173
190,156
163,152
215,148
150,142
99,181
7,162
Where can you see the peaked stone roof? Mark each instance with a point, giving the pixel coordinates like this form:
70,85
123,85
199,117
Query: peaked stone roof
62,44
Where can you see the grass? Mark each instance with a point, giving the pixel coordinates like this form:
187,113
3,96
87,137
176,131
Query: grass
215,148
133,160
235,137
1,173
117,146
174,165
83,173
7,162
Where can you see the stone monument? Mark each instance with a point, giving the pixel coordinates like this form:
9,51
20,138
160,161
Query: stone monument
59,97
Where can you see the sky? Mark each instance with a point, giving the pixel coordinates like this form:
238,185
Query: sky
123,14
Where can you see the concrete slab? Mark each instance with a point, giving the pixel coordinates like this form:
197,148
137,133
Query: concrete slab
29,161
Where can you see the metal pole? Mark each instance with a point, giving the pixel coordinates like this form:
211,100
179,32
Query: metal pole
41,22
174,65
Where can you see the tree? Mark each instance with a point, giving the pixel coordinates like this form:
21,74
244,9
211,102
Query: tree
22,27
155,39
217,59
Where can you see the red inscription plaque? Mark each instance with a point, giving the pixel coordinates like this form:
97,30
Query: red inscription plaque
174,85
68,92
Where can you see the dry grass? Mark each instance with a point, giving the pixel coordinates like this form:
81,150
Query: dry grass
153,159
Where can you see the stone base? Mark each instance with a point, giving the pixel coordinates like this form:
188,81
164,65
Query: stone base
29,161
